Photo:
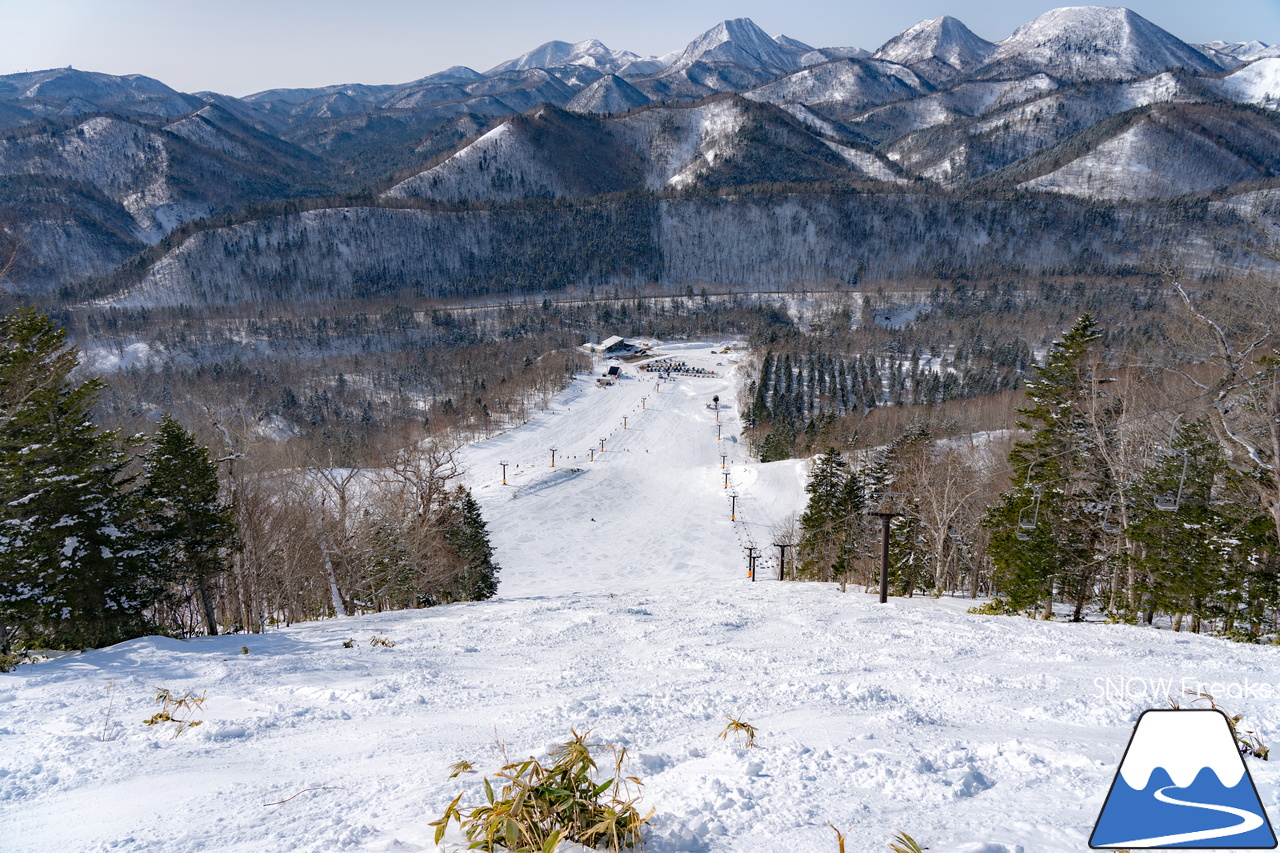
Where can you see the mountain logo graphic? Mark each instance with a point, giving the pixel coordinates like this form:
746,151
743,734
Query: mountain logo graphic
1183,783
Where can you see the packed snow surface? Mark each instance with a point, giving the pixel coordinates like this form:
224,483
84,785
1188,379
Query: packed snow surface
625,610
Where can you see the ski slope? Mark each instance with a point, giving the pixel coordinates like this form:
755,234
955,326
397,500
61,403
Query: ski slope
975,734
649,511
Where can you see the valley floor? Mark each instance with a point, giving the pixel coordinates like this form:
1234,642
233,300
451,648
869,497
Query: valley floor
625,609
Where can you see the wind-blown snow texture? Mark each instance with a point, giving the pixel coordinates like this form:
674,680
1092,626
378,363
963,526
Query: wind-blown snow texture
625,610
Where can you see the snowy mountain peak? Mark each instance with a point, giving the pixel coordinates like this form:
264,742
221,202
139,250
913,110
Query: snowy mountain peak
943,39
1244,51
738,41
609,94
455,73
554,54
794,44
91,86
1079,42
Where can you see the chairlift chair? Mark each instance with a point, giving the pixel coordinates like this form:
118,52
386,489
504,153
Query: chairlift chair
1169,502
1023,523
1109,526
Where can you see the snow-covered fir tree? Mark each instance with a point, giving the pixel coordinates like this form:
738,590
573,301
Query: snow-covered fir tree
75,566
1046,527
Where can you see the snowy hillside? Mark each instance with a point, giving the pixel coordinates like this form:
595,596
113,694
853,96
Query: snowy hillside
967,100
1242,51
348,253
69,91
843,87
1019,126
826,54
1132,164
609,94
127,163
1257,83
554,153
549,153
624,610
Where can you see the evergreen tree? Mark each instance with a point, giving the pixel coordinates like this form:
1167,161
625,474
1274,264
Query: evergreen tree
191,529
465,533
75,569
760,399
780,442
1045,529
831,520
394,575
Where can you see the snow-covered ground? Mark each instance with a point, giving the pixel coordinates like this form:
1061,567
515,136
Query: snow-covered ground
624,609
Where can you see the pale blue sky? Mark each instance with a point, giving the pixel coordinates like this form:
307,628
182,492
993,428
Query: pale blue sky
242,46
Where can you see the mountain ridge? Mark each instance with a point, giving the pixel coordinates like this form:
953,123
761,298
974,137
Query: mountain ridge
936,107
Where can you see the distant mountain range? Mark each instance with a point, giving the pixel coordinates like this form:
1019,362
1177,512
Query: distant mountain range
1085,102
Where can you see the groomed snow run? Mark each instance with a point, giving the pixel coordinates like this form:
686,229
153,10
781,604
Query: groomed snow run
625,609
